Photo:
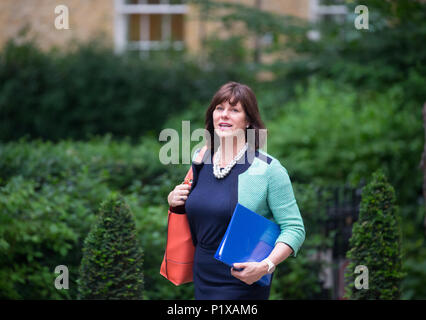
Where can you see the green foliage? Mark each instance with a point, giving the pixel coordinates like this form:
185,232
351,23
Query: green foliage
359,113
414,267
151,226
414,252
334,134
299,278
112,264
101,161
40,228
324,142
390,52
229,51
68,180
376,243
89,91
49,194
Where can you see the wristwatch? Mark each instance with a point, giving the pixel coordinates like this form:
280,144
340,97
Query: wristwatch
271,265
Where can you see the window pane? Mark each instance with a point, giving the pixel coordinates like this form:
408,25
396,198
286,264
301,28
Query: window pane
134,30
177,27
153,1
155,27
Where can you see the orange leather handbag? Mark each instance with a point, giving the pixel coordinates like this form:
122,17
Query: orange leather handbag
179,255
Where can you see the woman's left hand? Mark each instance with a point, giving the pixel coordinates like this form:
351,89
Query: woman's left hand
251,271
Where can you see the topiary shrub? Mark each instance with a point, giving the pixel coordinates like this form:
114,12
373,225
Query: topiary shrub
111,267
376,243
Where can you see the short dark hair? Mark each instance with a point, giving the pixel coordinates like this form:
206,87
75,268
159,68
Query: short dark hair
234,92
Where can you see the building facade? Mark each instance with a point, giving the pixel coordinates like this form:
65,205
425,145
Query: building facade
141,25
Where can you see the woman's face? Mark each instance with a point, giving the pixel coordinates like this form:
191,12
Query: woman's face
227,119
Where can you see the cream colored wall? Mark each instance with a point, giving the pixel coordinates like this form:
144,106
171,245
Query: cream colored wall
87,18
298,8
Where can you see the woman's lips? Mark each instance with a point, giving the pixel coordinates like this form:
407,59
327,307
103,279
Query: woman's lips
223,126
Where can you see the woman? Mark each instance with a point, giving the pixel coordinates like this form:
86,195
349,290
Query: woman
227,174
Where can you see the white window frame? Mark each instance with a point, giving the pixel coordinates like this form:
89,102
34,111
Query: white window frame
122,12
317,11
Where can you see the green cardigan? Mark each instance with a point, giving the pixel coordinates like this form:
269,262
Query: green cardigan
265,188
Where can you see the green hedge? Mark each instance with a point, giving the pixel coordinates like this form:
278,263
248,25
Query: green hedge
41,228
58,187
50,194
89,91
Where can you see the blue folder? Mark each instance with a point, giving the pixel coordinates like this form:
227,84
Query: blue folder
249,237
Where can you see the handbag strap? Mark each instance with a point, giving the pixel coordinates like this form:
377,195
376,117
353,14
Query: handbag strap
200,154
198,159
187,180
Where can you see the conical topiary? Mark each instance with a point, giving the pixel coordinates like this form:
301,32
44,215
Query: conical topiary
111,267
376,244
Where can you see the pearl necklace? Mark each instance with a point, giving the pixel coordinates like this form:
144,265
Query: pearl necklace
219,174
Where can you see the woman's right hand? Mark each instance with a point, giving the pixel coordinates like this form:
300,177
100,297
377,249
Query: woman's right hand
179,195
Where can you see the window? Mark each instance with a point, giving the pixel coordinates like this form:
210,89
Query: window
145,25
326,10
